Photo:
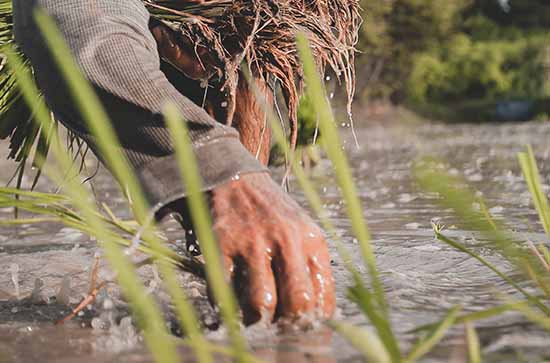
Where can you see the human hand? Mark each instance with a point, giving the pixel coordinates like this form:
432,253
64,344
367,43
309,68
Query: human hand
180,52
273,253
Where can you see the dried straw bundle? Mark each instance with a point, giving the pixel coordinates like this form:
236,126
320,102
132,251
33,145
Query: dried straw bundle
262,34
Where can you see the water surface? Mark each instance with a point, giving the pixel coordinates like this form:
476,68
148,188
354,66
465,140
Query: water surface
423,277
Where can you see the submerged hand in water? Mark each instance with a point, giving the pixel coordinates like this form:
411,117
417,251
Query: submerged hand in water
274,254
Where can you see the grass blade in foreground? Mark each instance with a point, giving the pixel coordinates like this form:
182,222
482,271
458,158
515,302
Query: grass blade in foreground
367,343
97,121
149,315
333,147
56,207
533,299
533,315
203,227
532,178
425,345
460,201
381,324
478,315
474,352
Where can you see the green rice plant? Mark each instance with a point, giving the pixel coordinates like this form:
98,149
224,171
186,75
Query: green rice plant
474,351
366,343
531,175
56,208
98,123
377,348
477,315
534,316
203,227
531,262
381,346
373,304
429,341
148,313
461,200
333,147
384,346
92,222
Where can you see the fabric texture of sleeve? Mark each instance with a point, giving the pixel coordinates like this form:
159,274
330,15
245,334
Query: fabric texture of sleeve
117,53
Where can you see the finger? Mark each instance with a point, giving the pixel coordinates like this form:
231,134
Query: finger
259,298
321,275
294,287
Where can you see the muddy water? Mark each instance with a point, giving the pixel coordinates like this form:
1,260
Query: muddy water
423,277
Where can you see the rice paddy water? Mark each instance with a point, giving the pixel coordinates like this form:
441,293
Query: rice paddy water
423,277
402,276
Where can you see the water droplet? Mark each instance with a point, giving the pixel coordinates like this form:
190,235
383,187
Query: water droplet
306,296
108,304
97,324
319,277
223,104
268,297
327,78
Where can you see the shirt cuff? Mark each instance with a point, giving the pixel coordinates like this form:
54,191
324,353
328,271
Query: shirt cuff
219,160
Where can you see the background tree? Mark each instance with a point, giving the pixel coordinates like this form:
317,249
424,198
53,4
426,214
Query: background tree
462,55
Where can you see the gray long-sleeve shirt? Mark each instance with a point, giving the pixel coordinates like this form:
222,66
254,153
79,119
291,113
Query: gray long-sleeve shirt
112,44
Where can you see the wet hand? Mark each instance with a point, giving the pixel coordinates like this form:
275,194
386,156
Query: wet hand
275,256
178,50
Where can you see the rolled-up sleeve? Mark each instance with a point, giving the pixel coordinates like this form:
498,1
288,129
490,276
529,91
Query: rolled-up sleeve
112,44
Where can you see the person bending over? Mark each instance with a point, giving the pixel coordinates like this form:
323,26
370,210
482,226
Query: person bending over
260,229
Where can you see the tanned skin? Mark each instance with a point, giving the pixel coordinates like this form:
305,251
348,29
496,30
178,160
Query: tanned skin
273,252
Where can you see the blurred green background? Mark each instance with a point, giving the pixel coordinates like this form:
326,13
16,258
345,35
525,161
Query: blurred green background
457,60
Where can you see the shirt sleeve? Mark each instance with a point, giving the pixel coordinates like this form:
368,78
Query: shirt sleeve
111,42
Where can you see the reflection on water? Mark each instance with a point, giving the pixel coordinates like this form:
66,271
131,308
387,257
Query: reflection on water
423,277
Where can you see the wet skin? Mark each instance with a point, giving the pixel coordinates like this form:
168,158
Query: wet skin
274,254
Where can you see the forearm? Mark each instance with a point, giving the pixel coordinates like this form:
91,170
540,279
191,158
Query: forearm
116,52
